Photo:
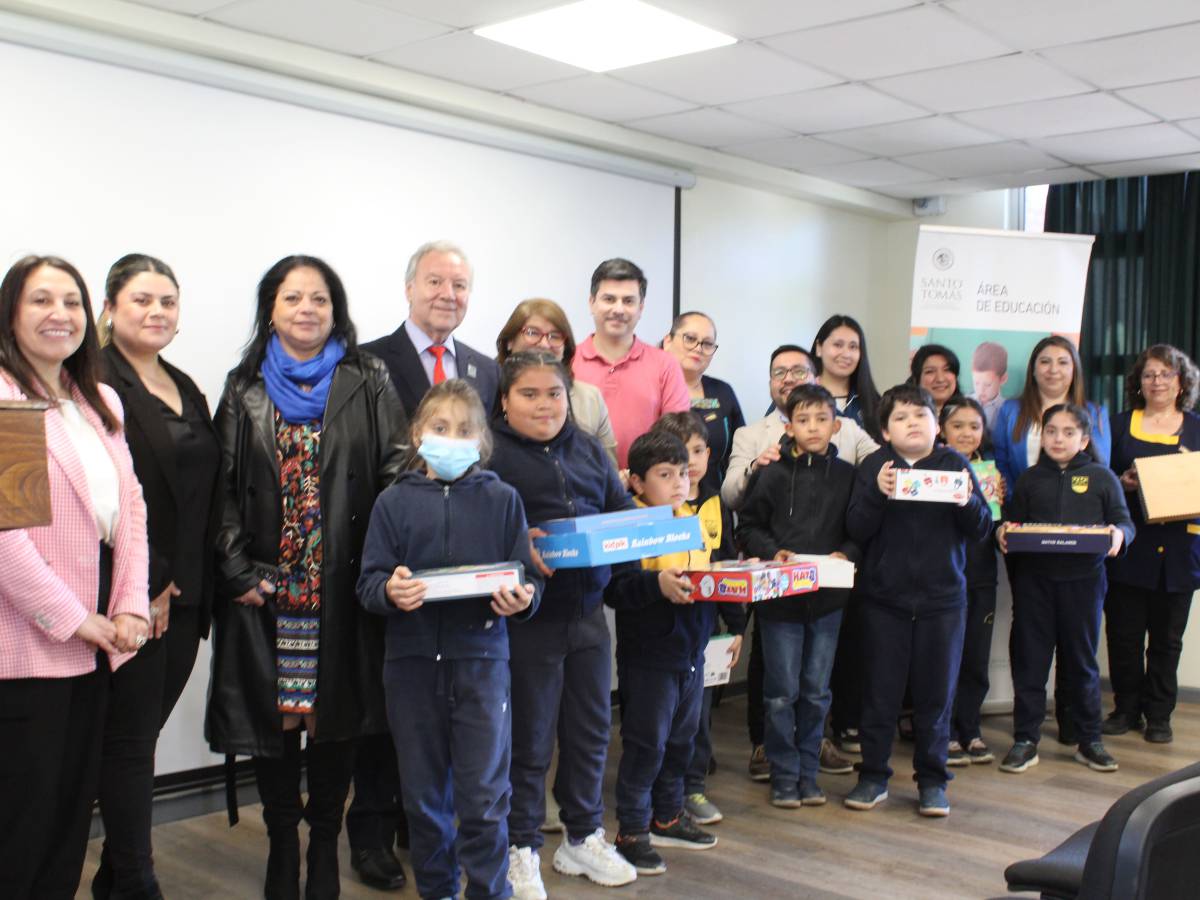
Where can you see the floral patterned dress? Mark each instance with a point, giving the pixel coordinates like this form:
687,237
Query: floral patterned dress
298,591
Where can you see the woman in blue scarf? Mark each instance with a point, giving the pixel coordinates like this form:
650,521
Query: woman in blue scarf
311,431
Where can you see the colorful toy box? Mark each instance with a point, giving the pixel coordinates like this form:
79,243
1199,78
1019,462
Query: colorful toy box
932,486
738,582
608,538
989,484
831,571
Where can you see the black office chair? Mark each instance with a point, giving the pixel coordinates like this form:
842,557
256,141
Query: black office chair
1147,847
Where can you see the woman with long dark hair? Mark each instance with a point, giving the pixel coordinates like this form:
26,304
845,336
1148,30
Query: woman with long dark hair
311,431
839,352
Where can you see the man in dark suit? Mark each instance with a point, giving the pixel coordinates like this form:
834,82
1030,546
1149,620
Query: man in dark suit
422,351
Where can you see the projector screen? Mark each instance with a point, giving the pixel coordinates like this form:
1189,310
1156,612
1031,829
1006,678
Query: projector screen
100,161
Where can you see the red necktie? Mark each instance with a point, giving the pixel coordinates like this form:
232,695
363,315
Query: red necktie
439,373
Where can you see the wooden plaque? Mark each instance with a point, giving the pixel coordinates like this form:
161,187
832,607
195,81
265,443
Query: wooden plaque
1169,486
24,480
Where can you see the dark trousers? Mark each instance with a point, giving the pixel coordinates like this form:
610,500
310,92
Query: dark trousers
702,750
755,673
561,688
375,820
1144,678
846,682
924,652
452,725
1049,615
973,682
50,732
180,643
660,712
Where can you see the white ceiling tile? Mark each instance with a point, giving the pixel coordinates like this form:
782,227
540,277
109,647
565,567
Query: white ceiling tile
1191,126
827,109
1062,115
602,97
911,136
1162,55
1064,175
725,75
869,173
467,13
468,59
875,47
975,85
1118,144
1164,166
188,7
759,18
1038,23
1171,100
926,189
708,128
795,153
348,26
989,159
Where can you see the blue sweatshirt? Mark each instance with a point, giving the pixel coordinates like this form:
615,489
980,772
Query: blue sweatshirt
915,552
570,475
424,523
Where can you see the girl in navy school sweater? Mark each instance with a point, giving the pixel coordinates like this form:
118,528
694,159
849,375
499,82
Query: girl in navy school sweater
446,678
1057,597
561,661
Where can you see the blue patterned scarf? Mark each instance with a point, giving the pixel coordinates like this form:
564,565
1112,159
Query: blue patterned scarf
284,375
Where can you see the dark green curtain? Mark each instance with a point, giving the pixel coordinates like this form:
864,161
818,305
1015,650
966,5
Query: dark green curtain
1143,286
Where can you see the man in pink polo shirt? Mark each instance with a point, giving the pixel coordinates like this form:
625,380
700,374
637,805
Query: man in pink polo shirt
639,382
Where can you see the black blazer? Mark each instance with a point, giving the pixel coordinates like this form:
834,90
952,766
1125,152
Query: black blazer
408,375
153,454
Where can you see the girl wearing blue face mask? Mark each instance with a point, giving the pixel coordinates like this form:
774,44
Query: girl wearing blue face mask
446,677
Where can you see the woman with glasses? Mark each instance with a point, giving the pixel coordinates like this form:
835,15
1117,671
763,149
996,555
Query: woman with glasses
693,341
540,324
1150,587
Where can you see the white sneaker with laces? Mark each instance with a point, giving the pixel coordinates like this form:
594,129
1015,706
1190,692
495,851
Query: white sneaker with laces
525,874
595,858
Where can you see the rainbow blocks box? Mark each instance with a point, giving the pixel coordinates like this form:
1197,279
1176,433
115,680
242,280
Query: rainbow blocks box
458,582
737,582
716,660
1038,538
932,486
608,538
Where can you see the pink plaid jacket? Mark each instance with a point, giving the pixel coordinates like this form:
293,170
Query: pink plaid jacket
50,577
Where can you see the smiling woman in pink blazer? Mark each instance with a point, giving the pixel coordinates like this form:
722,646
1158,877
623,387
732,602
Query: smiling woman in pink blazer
73,595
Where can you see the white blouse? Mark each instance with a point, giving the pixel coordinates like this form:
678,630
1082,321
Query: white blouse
1033,446
103,481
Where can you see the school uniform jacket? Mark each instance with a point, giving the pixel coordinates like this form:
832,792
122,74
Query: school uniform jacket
408,375
915,554
1084,493
50,577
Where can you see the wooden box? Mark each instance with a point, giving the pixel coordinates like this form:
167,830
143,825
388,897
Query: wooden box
1169,486
24,480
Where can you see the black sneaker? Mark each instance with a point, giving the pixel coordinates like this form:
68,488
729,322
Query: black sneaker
638,853
1158,731
1022,755
681,832
1095,757
979,753
956,755
847,740
1121,722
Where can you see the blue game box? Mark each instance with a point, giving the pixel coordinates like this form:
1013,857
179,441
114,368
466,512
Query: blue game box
609,538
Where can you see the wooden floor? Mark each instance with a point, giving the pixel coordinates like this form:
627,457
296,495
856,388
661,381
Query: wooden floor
826,852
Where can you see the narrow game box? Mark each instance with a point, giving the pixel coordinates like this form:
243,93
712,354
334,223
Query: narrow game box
609,538
932,486
831,571
716,660
989,484
458,582
738,582
1039,538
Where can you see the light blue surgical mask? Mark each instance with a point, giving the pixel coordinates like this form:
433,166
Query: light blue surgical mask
448,457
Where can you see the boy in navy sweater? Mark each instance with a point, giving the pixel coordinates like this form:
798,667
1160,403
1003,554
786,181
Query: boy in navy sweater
661,636
914,597
798,504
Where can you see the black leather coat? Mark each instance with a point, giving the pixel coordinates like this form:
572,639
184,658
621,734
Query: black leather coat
361,452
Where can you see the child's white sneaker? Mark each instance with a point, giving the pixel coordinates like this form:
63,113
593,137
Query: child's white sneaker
525,874
596,858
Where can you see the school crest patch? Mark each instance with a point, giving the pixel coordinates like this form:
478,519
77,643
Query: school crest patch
1079,484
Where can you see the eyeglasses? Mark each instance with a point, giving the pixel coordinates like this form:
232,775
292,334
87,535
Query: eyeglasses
691,342
536,336
798,373
1164,376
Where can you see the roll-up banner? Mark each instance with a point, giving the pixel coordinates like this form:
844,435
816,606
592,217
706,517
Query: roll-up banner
990,296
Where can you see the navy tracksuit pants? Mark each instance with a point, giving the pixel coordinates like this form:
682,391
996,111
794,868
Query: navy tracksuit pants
660,714
924,652
451,722
562,686
1049,614
973,681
